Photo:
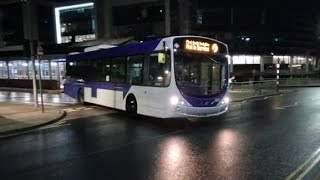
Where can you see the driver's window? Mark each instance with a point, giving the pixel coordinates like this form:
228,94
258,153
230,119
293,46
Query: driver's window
159,70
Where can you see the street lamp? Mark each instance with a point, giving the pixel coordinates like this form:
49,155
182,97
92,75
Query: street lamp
278,73
35,94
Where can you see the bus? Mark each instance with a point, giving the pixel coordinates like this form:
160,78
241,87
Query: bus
171,77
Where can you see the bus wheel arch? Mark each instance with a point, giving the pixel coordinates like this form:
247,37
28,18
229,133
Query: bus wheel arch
131,104
81,96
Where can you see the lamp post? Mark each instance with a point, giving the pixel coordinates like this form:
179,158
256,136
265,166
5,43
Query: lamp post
30,34
278,73
39,54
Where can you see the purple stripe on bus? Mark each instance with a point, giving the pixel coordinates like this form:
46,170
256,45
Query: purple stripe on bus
205,101
71,88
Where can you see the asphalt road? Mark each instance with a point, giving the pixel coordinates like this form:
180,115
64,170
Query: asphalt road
260,139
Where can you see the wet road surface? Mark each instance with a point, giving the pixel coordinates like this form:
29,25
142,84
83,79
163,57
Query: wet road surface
27,97
261,139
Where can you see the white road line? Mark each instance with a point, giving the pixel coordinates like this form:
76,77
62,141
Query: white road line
305,167
76,109
279,108
284,107
55,126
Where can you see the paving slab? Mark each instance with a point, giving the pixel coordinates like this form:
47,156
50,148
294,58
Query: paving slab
21,117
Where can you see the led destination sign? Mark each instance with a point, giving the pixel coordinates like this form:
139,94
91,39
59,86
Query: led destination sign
201,46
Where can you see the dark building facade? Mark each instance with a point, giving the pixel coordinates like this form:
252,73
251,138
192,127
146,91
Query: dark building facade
11,23
258,37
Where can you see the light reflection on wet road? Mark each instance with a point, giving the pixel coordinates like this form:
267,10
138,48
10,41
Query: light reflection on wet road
255,141
27,97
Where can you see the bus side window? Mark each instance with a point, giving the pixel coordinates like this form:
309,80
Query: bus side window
107,69
159,70
135,70
118,70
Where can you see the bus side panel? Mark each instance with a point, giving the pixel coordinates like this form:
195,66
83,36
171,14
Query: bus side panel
151,100
72,88
106,94
105,97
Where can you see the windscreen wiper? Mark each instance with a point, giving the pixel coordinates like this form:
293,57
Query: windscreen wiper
212,59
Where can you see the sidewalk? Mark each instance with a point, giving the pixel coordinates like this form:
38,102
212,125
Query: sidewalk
16,118
237,96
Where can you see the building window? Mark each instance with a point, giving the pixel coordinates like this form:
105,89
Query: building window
3,70
76,21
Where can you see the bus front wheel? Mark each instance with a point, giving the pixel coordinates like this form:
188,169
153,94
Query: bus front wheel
131,105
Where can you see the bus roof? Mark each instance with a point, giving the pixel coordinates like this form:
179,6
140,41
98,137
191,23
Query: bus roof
125,50
144,47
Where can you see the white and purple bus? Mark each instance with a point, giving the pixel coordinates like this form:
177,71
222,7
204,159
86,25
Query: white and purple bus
177,76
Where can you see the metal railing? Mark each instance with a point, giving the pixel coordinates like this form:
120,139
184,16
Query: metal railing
254,87
299,81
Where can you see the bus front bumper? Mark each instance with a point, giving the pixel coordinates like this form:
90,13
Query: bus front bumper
189,111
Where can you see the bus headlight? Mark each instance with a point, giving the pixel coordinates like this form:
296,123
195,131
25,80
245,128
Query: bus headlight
176,101
225,100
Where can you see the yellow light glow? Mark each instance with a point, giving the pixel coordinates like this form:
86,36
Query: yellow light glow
215,48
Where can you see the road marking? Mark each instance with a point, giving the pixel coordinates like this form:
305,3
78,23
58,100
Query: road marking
76,109
279,108
284,107
244,101
306,167
266,98
54,126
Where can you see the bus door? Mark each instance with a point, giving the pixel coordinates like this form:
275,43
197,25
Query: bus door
157,77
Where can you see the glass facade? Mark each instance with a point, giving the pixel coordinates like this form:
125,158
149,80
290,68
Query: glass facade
22,69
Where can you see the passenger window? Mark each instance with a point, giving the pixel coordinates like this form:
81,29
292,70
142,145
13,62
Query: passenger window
135,70
118,70
107,70
159,70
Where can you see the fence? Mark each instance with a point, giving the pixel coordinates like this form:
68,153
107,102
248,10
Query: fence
254,87
300,82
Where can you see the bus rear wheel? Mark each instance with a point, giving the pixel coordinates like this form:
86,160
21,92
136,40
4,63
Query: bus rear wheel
131,105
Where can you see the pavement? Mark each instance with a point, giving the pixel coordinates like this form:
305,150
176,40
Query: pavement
16,118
